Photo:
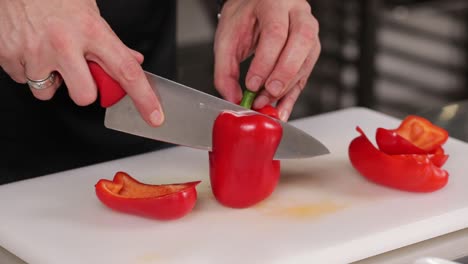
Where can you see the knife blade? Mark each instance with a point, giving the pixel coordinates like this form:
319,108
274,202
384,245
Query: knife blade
189,117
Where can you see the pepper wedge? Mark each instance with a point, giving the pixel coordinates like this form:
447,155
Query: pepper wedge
162,202
409,172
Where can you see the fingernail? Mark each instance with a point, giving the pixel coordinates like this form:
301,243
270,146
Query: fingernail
156,118
284,115
261,101
254,83
275,87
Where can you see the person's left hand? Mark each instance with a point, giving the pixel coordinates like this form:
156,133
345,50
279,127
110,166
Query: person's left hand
283,34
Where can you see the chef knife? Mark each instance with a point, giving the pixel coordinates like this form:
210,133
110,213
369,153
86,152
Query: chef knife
189,116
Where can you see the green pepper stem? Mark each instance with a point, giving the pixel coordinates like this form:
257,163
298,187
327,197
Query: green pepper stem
247,99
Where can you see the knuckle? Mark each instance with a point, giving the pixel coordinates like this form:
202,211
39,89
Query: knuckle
130,70
286,73
9,57
316,53
290,100
294,94
301,84
309,64
219,83
261,66
223,85
318,47
16,76
312,58
60,39
315,24
277,30
306,7
307,32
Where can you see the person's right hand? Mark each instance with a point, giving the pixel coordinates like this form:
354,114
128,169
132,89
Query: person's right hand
38,37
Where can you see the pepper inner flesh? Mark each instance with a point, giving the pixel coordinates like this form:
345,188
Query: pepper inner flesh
131,189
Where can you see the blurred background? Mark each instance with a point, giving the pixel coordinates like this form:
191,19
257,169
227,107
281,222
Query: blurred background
396,56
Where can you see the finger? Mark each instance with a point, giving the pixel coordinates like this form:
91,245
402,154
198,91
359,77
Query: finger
273,28
287,102
306,69
301,77
75,72
49,92
118,61
308,66
226,65
15,71
303,37
137,55
36,69
285,106
263,98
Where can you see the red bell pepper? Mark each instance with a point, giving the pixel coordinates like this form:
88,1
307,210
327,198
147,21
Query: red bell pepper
163,202
410,172
415,135
242,169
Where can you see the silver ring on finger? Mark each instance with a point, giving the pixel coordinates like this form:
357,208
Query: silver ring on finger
44,83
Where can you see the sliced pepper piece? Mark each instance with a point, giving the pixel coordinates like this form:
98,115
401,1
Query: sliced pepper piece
242,169
439,157
391,143
162,202
409,172
415,135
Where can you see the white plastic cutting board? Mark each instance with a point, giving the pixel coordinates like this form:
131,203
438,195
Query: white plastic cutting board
321,212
